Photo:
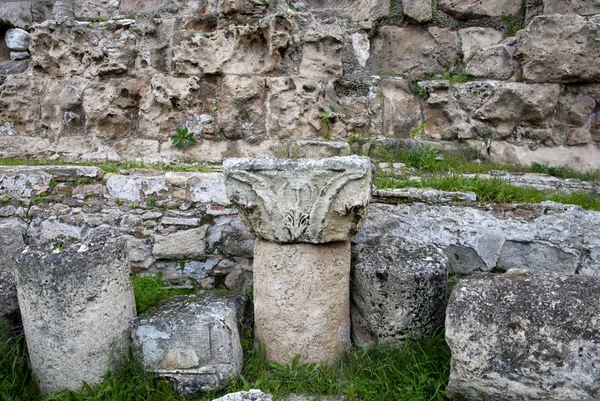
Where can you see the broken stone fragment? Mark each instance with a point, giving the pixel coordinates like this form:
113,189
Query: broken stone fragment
507,347
193,340
302,200
16,56
17,39
76,306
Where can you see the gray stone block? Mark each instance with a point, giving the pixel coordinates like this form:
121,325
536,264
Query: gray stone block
193,340
524,335
398,290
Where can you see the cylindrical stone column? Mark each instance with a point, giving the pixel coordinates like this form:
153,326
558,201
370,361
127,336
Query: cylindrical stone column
301,299
76,306
303,213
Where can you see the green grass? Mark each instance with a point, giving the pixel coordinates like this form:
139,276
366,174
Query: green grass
110,166
149,290
415,371
16,380
427,159
492,190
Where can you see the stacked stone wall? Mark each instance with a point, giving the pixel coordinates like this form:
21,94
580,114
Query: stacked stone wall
183,225
115,79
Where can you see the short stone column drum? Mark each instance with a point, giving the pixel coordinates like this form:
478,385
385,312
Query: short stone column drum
303,213
76,306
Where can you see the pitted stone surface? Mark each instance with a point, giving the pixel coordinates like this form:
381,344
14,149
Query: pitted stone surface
193,340
76,306
301,300
398,290
524,335
11,242
311,201
546,237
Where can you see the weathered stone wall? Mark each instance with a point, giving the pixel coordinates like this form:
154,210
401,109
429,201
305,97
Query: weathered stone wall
182,224
288,78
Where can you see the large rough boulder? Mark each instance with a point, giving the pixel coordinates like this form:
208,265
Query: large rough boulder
193,340
474,8
581,7
398,289
560,48
76,306
11,242
414,50
524,335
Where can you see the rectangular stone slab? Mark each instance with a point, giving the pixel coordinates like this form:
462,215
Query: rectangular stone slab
300,200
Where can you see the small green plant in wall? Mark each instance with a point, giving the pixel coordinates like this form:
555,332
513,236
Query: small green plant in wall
183,138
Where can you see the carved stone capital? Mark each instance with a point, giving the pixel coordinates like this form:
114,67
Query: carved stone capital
300,200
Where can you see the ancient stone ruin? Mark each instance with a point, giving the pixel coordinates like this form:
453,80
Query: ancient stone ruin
270,99
303,213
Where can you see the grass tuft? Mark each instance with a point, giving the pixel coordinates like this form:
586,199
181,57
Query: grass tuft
149,290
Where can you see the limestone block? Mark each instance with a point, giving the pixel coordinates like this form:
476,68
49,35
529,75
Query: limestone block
16,56
401,108
444,118
193,340
595,129
475,240
495,62
504,104
133,188
358,9
398,290
20,106
300,200
139,6
474,39
252,395
207,188
560,48
414,50
581,7
581,158
295,106
47,233
578,136
301,302
76,307
67,50
248,49
241,108
168,101
506,347
185,244
322,59
418,10
473,8
12,231
94,9
516,255
362,48
23,185
22,14
574,110
110,107
17,39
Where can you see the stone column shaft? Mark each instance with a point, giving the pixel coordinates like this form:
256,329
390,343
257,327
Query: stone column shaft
301,299
303,213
